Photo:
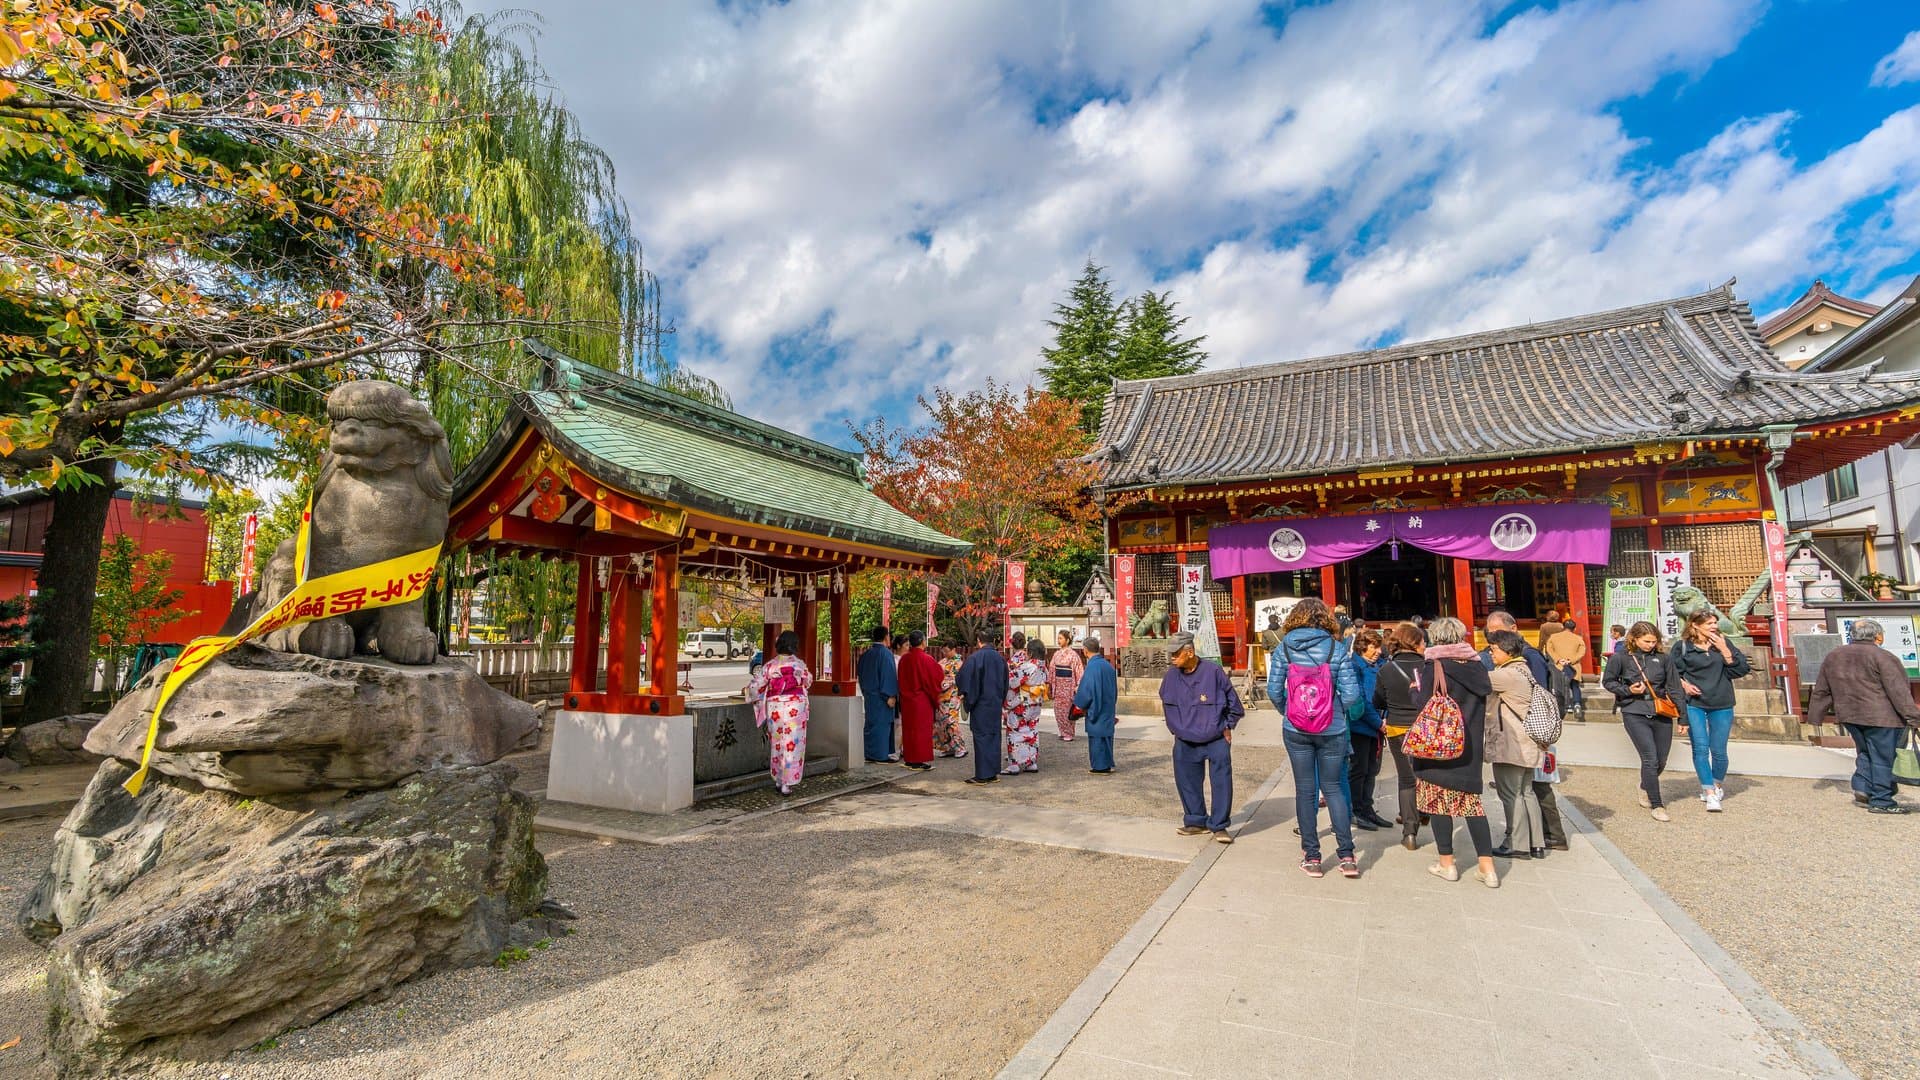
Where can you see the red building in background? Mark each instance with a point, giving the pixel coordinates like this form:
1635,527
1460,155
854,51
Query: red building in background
177,528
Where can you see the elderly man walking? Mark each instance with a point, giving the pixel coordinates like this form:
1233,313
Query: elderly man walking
1865,688
1202,709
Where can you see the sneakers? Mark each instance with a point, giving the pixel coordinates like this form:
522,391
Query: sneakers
1444,872
1349,867
1712,799
1190,830
1660,814
1894,809
1489,878
1311,868
1645,803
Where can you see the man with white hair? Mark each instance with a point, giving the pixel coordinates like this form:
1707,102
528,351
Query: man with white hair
1201,708
1865,688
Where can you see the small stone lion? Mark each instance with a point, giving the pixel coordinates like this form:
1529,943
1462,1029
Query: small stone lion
382,492
1155,622
1687,599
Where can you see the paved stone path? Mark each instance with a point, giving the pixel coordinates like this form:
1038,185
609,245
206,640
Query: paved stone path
1567,970
1147,838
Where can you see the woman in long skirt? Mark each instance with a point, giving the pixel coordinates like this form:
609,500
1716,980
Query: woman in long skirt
951,720
779,692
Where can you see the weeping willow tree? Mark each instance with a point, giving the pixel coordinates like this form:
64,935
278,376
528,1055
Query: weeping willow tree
503,163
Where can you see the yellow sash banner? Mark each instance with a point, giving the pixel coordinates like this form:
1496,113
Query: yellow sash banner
383,584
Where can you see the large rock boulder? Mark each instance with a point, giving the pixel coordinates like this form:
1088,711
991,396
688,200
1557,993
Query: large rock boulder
258,722
189,923
53,742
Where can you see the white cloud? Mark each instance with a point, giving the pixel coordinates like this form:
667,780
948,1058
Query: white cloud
907,181
1902,65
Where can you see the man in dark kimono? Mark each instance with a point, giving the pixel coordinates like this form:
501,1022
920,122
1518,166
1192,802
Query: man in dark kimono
1095,699
880,695
982,683
1202,709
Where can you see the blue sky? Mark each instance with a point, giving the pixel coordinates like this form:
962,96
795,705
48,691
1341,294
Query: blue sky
851,202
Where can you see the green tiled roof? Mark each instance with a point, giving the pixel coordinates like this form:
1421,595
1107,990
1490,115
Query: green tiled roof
658,444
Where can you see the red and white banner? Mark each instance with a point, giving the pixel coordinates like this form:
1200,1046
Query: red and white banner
886,603
1016,596
1122,600
933,597
1776,534
249,539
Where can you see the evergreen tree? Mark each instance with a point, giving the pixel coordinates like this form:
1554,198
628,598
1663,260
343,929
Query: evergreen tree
1086,344
1096,341
1152,346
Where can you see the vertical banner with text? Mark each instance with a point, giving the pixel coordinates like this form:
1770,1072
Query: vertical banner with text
1122,601
886,603
1782,643
1196,611
933,597
1016,597
1674,570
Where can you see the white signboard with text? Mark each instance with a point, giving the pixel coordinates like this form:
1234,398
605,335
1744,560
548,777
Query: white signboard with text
1196,611
1674,569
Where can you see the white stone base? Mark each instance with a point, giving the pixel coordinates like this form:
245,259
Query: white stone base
622,762
837,726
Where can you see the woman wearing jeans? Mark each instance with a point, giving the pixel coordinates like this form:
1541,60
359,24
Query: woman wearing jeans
1706,664
1637,676
1311,638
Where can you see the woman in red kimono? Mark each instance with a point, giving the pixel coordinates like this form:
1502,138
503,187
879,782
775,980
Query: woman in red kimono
1063,679
920,677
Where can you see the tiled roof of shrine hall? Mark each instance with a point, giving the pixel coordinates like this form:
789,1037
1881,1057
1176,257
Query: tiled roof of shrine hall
1685,368
661,445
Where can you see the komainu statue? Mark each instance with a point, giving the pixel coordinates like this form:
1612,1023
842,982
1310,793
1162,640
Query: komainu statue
1687,599
382,492
1155,622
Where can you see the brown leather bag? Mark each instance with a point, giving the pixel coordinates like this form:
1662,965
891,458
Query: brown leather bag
1662,704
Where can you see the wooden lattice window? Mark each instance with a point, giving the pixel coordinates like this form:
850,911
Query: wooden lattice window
1726,557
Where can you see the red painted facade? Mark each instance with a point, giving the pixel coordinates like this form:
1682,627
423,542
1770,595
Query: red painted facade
179,530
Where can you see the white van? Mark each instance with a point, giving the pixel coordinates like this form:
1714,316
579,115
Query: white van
709,643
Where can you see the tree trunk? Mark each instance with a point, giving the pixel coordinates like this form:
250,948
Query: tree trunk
62,621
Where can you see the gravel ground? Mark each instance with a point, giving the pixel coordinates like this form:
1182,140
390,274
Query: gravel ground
792,945
1811,894
1140,786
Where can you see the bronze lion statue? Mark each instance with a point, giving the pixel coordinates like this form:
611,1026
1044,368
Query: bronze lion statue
1687,599
382,492
1155,622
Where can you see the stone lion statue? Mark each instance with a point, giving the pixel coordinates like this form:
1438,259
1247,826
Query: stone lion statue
1687,599
382,492
1155,622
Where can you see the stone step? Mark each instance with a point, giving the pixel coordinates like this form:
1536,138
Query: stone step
734,785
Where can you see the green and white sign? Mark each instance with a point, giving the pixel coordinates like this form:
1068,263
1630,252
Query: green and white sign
1631,600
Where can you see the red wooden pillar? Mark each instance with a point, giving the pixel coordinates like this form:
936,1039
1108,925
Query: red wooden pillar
663,639
586,631
806,618
1577,600
623,634
1243,654
840,634
1463,593
1329,584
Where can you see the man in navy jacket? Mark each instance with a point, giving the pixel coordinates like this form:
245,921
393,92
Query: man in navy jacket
1202,709
880,695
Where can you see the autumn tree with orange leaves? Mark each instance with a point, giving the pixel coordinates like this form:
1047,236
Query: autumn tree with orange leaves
998,467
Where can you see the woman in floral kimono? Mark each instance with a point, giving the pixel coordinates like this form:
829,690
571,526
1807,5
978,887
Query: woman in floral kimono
1063,678
951,720
779,694
1020,718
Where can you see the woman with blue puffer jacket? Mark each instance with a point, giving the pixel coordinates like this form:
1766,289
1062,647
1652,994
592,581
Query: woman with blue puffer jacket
1311,680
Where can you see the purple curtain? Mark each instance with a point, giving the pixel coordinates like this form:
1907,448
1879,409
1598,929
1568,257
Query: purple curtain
1519,532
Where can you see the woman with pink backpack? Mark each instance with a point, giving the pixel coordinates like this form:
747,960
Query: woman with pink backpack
1311,680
